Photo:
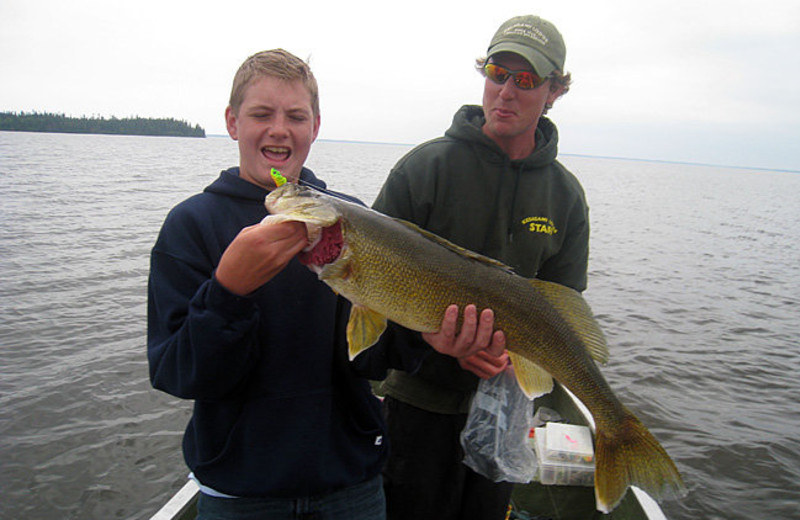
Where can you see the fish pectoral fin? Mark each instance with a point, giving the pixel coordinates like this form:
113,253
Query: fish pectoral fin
363,329
338,270
533,379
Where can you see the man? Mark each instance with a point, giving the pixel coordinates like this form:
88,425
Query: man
491,184
283,425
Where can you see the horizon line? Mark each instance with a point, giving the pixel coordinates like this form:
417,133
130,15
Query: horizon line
665,161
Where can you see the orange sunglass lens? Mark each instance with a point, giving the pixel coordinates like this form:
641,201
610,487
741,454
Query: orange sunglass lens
525,80
496,73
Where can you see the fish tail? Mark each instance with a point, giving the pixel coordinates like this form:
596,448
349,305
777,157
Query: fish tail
630,455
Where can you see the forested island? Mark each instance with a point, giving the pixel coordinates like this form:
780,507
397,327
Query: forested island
60,123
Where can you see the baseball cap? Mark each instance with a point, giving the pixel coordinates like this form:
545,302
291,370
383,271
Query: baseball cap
533,38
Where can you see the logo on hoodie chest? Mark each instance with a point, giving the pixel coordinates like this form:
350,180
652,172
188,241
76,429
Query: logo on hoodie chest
540,225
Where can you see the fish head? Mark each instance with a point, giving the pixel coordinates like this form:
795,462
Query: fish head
319,213
302,204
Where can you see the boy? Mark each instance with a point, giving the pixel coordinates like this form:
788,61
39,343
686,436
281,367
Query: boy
283,425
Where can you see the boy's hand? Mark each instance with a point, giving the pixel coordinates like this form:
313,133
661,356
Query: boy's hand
257,254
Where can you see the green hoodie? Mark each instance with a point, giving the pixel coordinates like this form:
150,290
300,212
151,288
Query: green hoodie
530,214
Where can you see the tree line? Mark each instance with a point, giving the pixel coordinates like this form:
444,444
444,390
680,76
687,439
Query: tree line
60,123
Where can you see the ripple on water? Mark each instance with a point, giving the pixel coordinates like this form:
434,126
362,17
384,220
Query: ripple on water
695,289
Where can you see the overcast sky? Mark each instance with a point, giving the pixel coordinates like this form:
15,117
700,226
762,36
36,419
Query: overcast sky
707,81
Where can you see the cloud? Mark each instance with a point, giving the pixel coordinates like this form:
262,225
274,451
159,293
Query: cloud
398,72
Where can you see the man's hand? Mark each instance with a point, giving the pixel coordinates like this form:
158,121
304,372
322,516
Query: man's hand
258,253
478,348
485,364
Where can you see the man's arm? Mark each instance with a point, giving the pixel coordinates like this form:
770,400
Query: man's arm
477,346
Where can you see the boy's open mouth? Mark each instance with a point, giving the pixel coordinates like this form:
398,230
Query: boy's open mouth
276,153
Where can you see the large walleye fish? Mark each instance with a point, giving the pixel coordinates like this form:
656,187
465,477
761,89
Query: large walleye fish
391,269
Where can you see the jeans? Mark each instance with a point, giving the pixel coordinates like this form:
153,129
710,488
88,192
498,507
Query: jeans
363,501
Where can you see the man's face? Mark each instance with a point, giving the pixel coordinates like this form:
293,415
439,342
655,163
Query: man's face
275,127
512,114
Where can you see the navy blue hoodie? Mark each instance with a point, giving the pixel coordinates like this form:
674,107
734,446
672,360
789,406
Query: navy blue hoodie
279,411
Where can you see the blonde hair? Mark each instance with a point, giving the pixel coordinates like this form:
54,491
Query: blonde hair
276,63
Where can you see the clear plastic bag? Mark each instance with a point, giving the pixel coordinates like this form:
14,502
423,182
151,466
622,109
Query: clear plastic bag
495,437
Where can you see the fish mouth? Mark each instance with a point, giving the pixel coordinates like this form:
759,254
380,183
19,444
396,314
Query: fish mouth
325,249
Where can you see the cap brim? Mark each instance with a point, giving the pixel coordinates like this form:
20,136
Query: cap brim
541,65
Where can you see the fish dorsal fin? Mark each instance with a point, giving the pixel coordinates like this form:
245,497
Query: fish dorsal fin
363,329
533,379
577,313
472,255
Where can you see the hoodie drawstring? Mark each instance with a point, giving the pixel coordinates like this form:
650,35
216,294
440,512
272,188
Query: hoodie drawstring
510,232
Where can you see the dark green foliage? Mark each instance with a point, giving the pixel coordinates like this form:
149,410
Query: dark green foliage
44,122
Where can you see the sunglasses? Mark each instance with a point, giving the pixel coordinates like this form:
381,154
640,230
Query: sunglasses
523,79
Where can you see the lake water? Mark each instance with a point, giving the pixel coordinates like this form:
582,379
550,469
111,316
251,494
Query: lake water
694,276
